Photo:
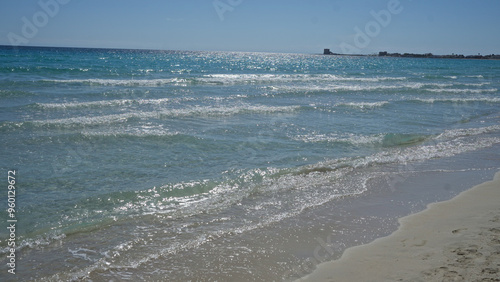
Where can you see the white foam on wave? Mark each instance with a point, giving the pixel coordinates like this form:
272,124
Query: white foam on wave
444,85
439,150
128,102
45,240
459,100
364,105
379,85
466,90
342,82
121,82
140,131
462,132
359,87
335,88
225,79
286,78
354,139
190,111
84,254
455,142
105,103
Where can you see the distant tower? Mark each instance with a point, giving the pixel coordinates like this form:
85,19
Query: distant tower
327,52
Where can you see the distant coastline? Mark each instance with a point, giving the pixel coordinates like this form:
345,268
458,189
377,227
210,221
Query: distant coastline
426,55
325,52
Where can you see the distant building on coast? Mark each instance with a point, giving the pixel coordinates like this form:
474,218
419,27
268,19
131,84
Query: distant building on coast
328,52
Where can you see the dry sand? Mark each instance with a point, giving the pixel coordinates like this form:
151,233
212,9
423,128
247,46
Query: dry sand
455,240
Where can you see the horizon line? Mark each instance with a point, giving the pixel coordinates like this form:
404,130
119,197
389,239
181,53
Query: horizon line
233,51
147,49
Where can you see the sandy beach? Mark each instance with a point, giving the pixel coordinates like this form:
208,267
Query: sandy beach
455,240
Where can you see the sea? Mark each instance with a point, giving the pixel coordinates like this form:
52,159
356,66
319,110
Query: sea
145,165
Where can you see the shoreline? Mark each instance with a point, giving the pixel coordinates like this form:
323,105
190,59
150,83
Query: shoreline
460,242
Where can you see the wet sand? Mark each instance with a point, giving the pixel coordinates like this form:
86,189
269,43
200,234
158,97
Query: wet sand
455,240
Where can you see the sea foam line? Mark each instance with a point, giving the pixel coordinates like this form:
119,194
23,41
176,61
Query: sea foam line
225,79
363,105
120,82
462,132
249,78
454,90
105,103
350,138
143,131
459,100
126,102
371,87
382,138
192,111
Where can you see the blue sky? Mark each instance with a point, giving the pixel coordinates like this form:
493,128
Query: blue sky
302,26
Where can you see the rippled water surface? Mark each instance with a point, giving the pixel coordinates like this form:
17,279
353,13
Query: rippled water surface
199,165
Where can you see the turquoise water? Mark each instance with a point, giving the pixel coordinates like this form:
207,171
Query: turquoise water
125,158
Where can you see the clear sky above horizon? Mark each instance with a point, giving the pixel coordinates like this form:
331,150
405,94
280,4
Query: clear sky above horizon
301,26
